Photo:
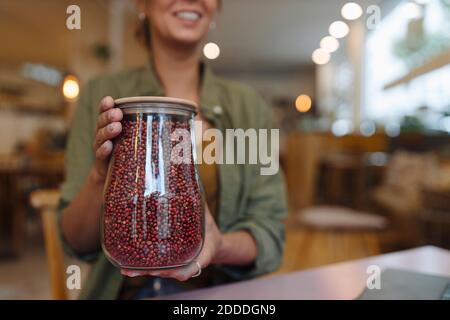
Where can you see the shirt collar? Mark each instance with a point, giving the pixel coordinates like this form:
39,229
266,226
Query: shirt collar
150,85
210,97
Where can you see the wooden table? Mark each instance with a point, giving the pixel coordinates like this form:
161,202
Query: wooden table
18,175
338,281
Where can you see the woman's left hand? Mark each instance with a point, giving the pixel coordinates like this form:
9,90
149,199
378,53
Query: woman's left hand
211,248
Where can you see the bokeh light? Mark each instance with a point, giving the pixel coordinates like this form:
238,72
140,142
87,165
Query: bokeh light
303,103
329,44
367,128
71,87
392,129
412,10
342,127
320,56
211,50
339,29
351,11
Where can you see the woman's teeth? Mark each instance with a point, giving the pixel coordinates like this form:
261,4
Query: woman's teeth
188,15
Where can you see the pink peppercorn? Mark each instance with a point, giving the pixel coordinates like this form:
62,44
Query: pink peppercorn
153,214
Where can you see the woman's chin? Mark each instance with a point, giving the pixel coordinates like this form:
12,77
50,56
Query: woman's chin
188,39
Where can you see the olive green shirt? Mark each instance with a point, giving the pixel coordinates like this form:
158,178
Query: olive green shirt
248,200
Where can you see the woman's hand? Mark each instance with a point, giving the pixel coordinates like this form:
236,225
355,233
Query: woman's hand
210,250
108,127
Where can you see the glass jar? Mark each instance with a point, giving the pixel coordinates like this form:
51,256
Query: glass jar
153,215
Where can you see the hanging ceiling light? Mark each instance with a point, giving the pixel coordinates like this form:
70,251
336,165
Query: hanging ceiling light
351,11
339,29
329,44
320,56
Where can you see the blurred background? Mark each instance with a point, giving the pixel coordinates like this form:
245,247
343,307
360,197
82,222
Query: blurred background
359,91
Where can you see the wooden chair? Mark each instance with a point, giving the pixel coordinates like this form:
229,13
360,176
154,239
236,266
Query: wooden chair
333,234
302,166
400,194
46,201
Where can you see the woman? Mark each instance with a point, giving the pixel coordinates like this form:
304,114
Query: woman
244,234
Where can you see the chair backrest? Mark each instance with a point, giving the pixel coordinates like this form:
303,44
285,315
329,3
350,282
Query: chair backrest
410,171
46,201
302,166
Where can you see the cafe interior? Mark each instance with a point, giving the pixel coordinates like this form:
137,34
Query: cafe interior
360,92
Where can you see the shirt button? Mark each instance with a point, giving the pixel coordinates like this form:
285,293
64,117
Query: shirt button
217,110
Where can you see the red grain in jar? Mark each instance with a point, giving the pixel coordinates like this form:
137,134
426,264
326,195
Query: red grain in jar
153,215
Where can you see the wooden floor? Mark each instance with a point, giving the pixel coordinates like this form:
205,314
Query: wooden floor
26,277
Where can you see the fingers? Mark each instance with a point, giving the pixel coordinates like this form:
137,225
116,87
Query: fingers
180,274
107,133
133,273
108,127
109,116
187,272
106,103
103,152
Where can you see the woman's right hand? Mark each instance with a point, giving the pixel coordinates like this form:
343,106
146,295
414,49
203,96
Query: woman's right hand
108,127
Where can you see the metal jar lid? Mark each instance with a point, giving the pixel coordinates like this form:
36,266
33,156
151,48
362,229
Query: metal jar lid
163,104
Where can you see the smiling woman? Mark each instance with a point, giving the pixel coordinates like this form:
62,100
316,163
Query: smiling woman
244,233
